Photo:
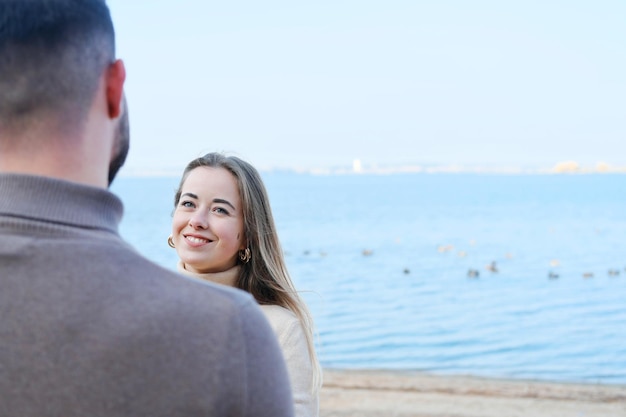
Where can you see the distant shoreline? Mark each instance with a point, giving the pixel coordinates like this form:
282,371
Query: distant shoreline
167,173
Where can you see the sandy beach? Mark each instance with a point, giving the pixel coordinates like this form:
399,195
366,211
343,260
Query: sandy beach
414,394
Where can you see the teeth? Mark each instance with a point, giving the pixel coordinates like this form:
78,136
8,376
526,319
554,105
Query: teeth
196,239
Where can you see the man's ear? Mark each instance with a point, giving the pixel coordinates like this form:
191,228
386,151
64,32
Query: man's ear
115,77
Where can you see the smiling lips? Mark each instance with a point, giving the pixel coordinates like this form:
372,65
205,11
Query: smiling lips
195,240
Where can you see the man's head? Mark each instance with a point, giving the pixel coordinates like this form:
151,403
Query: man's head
56,61
53,53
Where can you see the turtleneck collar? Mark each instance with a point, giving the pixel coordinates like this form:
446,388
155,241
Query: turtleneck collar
228,277
58,201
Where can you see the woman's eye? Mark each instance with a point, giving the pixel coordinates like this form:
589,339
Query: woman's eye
220,210
186,204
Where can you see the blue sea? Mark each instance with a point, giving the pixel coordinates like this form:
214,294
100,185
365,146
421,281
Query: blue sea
384,263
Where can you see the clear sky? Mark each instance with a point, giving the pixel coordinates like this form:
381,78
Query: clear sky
317,84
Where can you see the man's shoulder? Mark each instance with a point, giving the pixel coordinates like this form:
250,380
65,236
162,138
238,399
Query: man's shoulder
176,285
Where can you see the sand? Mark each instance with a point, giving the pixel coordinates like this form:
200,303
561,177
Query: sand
413,394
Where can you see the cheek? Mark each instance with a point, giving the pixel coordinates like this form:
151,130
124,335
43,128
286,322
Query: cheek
241,240
178,222
230,231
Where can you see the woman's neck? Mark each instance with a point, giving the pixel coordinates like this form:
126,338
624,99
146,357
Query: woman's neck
228,277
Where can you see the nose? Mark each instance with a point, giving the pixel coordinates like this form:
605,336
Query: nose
198,221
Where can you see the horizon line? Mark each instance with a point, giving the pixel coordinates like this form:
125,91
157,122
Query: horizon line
560,168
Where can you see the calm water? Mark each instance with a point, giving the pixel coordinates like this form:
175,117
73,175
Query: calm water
409,303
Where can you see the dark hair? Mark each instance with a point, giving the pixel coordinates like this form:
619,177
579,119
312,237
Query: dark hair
52,54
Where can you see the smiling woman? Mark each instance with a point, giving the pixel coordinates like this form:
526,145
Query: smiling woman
224,232
207,228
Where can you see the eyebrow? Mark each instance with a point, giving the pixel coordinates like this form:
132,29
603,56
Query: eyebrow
215,200
222,201
192,195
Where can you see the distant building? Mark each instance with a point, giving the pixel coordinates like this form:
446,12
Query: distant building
566,167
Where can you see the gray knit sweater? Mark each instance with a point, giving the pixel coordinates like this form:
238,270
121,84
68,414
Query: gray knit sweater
88,327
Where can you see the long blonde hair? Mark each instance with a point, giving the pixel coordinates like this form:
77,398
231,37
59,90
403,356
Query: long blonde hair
265,276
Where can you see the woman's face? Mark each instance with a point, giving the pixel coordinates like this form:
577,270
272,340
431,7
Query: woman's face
207,227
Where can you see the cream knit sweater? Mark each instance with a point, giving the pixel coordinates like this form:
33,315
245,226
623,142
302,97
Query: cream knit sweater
292,341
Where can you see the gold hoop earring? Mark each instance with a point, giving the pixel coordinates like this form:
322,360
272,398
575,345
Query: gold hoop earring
170,242
245,255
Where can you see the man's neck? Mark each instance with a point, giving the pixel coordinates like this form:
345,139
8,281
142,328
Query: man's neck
44,151
70,166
